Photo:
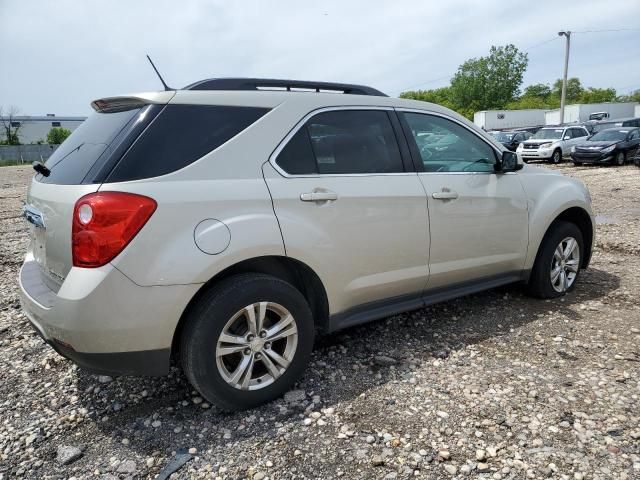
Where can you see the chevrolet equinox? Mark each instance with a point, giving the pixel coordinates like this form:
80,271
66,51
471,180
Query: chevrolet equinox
224,224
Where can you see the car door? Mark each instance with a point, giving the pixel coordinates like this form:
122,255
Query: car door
578,135
478,219
349,208
633,145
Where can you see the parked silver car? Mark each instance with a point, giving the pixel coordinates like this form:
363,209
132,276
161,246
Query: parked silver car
552,144
226,223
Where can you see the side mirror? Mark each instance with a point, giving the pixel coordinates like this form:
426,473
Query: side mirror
508,162
567,137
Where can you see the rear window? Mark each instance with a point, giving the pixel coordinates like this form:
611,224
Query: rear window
73,160
180,135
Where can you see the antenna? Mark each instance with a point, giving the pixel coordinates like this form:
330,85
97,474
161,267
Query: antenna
166,87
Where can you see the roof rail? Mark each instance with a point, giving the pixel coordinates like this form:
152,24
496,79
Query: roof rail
274,84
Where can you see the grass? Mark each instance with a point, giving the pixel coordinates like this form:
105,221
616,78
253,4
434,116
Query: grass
7,163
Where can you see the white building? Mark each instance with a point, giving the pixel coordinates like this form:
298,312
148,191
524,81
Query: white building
579,112
506,119
35,128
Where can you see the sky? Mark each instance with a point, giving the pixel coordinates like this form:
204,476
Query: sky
58,56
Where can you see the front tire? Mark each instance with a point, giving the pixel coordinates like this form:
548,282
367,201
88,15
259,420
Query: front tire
557,266
247,340
556,158
620,160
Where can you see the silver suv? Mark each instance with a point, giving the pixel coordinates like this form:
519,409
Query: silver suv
552,143
224,224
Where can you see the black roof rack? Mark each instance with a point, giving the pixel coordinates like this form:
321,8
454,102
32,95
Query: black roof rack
270,83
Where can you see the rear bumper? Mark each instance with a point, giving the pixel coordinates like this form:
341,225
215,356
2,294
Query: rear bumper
104,322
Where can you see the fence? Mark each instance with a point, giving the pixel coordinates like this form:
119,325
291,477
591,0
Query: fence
25,153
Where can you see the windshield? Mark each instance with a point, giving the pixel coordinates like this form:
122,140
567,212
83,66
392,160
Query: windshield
549,133
609,135
73,159
503,137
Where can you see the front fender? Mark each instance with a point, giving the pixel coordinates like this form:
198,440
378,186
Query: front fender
548,196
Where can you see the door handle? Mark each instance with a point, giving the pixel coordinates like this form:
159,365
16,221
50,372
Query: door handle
445,195
318,196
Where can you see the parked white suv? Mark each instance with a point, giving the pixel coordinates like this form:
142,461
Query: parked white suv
551,143
224,224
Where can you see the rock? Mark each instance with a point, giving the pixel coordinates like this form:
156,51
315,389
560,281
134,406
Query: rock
492,451
384,361
451,469
481,455
442,414
193,451
377,461
156,423
259,476
444,454
104,379
370,439
483,467
128,466
67,454
295,396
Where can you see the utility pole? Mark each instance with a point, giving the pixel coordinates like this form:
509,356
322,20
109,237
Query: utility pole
563,98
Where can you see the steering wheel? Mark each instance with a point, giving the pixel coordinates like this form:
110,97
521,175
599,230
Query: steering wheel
425,152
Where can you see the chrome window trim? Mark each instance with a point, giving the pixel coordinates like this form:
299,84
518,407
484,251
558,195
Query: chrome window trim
283,143
458,122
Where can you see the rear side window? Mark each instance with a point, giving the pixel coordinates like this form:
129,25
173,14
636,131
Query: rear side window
343,142
89,144
180,135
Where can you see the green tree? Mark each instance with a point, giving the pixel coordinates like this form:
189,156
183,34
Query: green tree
480,83
441,96
489,82
598,95
537,90
574,89
632,97
57,135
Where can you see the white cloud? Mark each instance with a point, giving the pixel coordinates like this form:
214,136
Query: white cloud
63,54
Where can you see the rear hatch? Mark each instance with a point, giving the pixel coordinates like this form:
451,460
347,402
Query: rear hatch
77,168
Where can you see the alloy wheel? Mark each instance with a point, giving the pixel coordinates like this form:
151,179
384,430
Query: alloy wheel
565,264
256,346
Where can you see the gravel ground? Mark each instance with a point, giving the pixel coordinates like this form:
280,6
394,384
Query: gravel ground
494,385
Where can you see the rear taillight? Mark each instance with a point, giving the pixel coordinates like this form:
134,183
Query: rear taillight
104,223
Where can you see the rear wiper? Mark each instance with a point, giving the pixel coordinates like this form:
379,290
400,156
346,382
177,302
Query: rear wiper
40,168
46,171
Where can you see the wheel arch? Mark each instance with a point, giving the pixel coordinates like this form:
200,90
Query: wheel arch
579,217
295,272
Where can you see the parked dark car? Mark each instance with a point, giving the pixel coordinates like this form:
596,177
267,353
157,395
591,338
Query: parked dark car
511,139
615,145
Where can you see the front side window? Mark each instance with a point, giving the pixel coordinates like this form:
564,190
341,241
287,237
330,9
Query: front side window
446,146
343,142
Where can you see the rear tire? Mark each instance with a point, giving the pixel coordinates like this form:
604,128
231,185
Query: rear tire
541,282
234,366
620,159
556,158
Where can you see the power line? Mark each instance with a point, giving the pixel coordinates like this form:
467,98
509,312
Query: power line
609,30
541,43
452,74
524,50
